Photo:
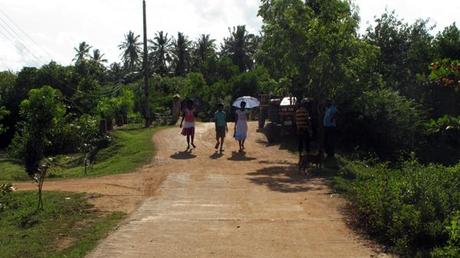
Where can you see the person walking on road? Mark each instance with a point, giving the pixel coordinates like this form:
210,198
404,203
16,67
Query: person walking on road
220,121
330,128
241,126
188,128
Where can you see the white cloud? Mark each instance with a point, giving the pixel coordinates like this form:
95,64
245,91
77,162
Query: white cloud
58,26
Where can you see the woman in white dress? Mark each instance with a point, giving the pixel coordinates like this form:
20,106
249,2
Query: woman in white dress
241,125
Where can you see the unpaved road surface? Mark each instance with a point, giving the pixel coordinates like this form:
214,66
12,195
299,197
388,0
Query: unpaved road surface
230,205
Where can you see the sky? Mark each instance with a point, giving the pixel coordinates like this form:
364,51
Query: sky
34,32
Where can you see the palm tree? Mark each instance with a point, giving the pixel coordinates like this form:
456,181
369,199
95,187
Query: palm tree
205,47
240,47
131,48
82,52
181,54
160,55
98,57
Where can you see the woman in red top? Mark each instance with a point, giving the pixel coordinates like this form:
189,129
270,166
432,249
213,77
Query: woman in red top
188,129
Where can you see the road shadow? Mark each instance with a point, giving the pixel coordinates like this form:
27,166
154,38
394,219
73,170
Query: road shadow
240,156
183,155
285,179
216,155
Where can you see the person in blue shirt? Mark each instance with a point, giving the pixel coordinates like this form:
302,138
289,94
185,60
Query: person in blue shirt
330,128
220,121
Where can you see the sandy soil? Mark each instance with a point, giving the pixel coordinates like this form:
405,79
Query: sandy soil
122,193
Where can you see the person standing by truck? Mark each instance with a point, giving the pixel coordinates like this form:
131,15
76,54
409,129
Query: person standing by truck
303,124
330,128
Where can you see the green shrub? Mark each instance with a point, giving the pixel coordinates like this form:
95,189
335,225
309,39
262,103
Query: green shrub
6,199
382,121
442,135
3,113
452,250
408,207
41,113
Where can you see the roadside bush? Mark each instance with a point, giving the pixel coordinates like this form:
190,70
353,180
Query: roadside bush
410,207
41,113
382,121
452,250
6,199
443,139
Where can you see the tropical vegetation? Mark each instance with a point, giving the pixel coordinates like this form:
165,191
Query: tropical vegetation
396,85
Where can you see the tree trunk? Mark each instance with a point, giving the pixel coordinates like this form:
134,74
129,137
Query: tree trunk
109,124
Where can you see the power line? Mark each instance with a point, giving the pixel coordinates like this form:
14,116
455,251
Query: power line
25,33
14,34
10,37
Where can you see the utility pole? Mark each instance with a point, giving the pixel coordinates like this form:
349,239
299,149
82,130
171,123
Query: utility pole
148,119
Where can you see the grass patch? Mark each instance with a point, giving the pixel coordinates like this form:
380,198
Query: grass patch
67,227
131,147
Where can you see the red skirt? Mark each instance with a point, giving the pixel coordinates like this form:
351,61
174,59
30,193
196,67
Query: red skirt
188,131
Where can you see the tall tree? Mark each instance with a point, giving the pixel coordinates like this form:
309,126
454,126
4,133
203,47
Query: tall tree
241,47
131,48
160,53
82,52
448,42
405,51
181,55
308,43
98,57
115,72
205,48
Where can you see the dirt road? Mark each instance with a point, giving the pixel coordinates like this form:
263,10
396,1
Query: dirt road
232,205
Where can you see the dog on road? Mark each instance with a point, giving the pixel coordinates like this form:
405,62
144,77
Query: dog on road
307,159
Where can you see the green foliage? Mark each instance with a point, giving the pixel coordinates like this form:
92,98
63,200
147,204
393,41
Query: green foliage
409,207
106,108
307,43
240,47
204,49
181,55
41,112
67,216
384,122
127,149
160,53
447,73
452,250
405,51
6,199
443,137
124,105
442,124
131,48
447,43
3,113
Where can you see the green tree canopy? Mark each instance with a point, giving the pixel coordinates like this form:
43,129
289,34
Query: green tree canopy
41,112
204,48
308,43
181,55
160,53
240,47
130,47
82,52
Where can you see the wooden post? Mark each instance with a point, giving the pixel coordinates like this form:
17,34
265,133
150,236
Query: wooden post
148,119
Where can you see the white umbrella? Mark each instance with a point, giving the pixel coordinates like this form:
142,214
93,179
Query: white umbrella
251,102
